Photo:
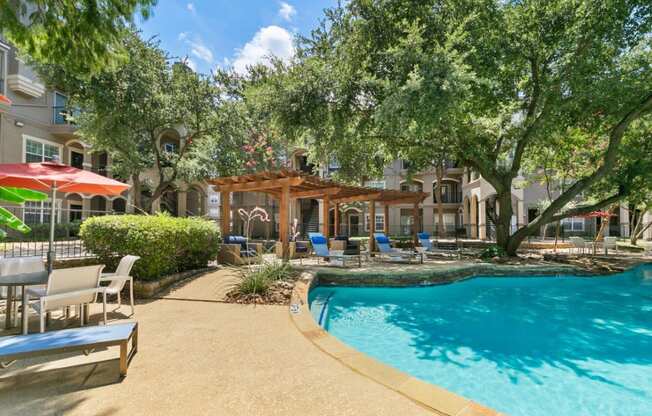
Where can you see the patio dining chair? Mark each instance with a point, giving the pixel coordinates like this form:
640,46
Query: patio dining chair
18,265
67,287
610,243
119,278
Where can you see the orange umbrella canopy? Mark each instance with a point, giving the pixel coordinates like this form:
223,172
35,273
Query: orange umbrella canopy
44,176
4,100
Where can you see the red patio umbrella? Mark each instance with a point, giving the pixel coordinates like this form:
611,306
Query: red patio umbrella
55,177
4,101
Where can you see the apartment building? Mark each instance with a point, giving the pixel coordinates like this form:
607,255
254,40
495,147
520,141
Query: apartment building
35,128
467,199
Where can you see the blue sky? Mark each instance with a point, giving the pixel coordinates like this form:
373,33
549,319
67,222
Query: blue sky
230,32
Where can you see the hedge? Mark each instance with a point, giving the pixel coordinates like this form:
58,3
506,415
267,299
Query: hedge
165,244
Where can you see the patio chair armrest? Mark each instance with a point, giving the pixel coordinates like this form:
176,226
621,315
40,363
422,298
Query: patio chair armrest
103,275
61,296
115,278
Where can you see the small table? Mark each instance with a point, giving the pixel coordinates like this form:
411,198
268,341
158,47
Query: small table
21,280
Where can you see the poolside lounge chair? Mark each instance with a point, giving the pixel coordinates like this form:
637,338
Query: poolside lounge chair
445,249
67,287
386,250
578,244
237,250
610,242
320,247
67,340
118,279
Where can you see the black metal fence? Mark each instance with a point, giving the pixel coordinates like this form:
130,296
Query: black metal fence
35,243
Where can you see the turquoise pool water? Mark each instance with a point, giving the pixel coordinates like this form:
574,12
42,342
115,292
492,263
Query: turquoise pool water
526,346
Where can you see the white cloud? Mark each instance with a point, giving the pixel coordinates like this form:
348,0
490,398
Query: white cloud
270,40
197,47
287,11
191,8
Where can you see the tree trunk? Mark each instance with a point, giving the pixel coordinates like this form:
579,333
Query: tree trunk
504,222
135,191
439,172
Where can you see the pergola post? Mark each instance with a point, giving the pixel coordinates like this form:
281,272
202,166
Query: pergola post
225,197
284,217
336,220
386,212
415,223
325,226
372,225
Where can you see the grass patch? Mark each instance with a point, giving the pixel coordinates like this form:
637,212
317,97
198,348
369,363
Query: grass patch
258,279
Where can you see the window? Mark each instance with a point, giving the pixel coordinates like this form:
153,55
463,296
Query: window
59,110
75,213
170,147
76,159
375,184
405,164
573,224
37,150
380,222
38,212
411,187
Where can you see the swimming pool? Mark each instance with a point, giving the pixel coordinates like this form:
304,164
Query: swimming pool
526,346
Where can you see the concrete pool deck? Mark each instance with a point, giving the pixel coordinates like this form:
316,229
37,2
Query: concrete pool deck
200,356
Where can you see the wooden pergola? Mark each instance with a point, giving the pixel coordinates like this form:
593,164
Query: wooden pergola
285,185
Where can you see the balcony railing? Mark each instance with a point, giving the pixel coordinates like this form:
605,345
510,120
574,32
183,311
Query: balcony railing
452,198
61,115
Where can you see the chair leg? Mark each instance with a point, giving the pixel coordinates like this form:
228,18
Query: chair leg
104,306
119,301
131,296
42,325
81,314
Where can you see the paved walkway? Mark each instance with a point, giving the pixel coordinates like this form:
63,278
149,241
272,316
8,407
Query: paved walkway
200,356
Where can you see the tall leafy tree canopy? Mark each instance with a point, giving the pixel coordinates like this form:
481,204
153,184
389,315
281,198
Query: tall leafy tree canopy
83,35
494,80
128,110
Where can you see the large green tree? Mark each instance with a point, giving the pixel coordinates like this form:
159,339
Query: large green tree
499,79
83,35
127,110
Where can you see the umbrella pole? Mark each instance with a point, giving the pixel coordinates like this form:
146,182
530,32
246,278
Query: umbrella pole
52,226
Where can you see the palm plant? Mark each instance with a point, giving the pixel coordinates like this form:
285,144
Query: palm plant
16,196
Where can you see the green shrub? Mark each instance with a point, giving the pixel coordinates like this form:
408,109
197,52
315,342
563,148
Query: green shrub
41,232
492,251
165,244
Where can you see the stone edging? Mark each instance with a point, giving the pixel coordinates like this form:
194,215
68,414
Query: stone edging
150,289
430,396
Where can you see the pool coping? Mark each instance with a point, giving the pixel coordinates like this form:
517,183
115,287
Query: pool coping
430,396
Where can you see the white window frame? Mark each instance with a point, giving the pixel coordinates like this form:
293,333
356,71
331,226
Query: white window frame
569,224
43,209
42,141
174,147
366,221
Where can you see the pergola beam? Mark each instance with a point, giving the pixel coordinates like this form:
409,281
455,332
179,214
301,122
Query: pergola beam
260,185
315,193
357,198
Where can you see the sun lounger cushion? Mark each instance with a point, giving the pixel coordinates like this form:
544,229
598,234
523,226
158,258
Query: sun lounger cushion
318,239
381,239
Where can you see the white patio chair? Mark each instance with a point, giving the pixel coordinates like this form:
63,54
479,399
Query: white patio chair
610,242
118,279
67,287
578,244
18,265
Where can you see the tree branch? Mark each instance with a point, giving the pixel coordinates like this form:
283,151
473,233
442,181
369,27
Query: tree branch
589,208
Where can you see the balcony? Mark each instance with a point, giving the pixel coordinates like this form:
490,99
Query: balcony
450,198
61,126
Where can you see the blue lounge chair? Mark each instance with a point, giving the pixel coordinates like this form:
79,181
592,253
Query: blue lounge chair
320,247
83,339
445,248
385,249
